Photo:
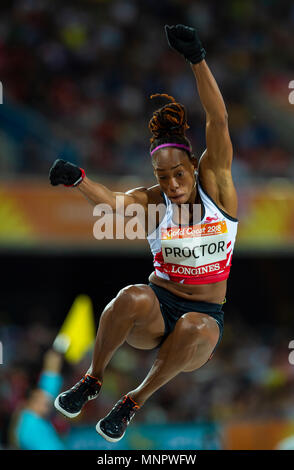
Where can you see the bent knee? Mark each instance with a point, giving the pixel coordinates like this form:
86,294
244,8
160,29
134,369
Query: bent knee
136,299
197,328
134,292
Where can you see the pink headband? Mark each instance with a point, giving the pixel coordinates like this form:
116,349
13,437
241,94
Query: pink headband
185,147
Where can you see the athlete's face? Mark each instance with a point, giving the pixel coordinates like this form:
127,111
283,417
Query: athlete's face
175,173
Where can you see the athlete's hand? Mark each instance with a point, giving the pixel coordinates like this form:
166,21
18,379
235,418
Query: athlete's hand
185,40
66,173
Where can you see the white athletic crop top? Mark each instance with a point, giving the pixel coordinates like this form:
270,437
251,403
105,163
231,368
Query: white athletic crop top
194,254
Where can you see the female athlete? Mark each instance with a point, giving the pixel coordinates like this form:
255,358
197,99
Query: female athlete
180,310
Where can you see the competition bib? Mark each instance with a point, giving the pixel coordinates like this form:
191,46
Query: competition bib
195,250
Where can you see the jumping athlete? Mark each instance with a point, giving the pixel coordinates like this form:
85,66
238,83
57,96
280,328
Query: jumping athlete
180,310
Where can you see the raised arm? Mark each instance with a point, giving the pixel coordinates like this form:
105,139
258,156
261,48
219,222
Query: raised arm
218,142
215,168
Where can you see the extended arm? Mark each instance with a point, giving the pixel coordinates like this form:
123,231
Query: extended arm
97,193
70,175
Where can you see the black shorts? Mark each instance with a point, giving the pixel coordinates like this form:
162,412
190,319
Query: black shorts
173,307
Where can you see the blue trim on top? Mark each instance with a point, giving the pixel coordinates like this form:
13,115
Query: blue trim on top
163,197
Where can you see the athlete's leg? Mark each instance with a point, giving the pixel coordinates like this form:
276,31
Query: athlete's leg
187,348
133,316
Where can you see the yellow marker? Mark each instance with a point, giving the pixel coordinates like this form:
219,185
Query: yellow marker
77,333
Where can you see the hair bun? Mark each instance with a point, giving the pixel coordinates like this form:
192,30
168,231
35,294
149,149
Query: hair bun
168,120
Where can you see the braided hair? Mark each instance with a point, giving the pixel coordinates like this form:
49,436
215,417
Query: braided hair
169,124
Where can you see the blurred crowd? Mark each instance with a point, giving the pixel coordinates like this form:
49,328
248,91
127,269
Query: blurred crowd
249,377
77,78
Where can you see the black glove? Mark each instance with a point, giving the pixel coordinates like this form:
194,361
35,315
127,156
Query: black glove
185,40
66,173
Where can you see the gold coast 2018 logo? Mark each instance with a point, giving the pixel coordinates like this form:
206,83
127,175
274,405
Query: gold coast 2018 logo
291,94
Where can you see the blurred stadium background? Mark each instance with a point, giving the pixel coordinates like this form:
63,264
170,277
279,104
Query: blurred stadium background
77,76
